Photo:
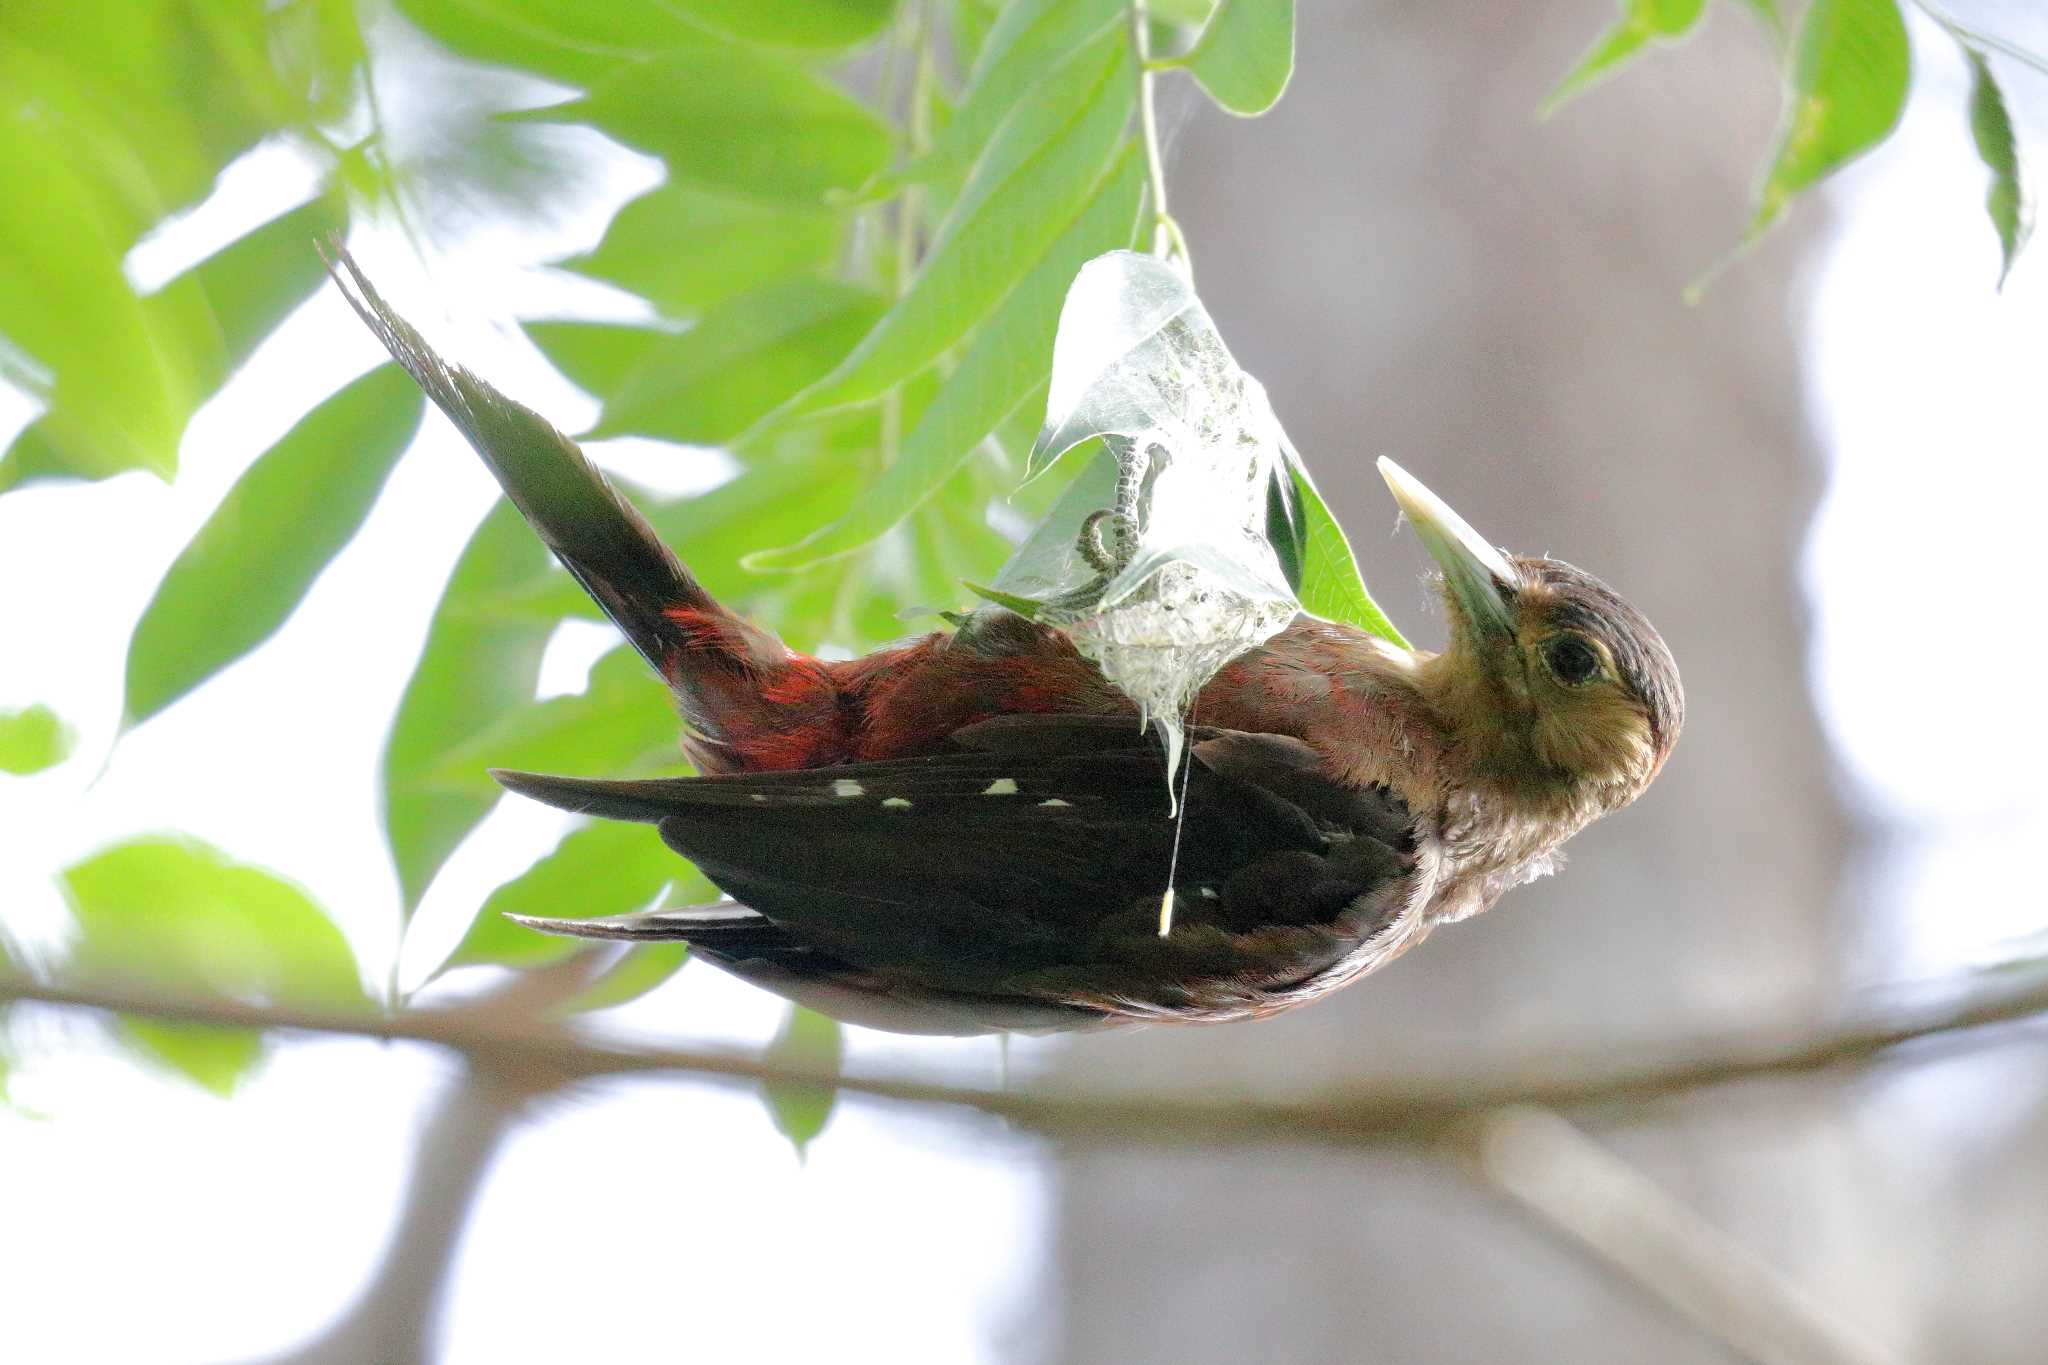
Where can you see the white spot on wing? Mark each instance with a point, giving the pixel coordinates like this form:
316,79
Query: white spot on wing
897,802
846,786
758,796
1002,786
712,914
1055,801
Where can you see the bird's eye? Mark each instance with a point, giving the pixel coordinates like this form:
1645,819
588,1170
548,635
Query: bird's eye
1572,661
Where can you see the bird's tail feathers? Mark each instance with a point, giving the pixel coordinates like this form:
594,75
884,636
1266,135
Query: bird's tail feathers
598,535
677,924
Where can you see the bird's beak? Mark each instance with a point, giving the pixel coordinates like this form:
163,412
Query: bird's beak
1479,576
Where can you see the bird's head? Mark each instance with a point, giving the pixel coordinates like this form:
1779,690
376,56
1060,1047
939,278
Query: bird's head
1551,683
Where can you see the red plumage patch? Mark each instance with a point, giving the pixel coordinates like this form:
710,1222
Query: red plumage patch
710,630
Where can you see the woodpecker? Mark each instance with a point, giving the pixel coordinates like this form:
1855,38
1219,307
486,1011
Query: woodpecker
970,832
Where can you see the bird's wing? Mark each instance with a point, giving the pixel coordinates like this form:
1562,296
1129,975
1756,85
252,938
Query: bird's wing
1037,866
776,958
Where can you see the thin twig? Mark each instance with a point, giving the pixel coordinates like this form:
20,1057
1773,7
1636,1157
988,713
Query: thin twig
915,45
1977,37
549,1054
1586,1193
1166,235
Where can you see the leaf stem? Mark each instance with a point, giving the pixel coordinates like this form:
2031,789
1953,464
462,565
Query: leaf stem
1167,240
916,134
1964,33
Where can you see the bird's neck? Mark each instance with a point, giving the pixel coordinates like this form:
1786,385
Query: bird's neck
1485,719
1492,752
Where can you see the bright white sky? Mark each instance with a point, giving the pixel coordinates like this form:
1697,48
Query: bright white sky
191,1215
1926,388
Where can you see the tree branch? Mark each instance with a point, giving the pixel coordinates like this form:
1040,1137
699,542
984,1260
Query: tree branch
540,1055
1585,1193
394,1319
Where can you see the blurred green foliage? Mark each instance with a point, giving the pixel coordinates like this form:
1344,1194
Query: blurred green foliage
1847,75
1991,128
854,268
32,739
1850,67
247,568
812,1043
177,913
1245,55
1641,22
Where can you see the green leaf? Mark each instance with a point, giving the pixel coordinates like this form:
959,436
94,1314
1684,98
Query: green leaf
801,1111
216,1059
251,563
743,360
1046,112
1245,56
812,24
228,303
1331,586
321,50
475,668
638,970
1640,22
607,867
1991,127
972,21
1031,182
623,719
1007,363
1027,48
179,915
684,248
113,115
1850,68
1026,607
147,97
951,540
596,356
197,329
33,739
738,121
117,390
573,41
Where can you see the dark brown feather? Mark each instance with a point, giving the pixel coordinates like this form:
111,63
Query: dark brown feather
1028,870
